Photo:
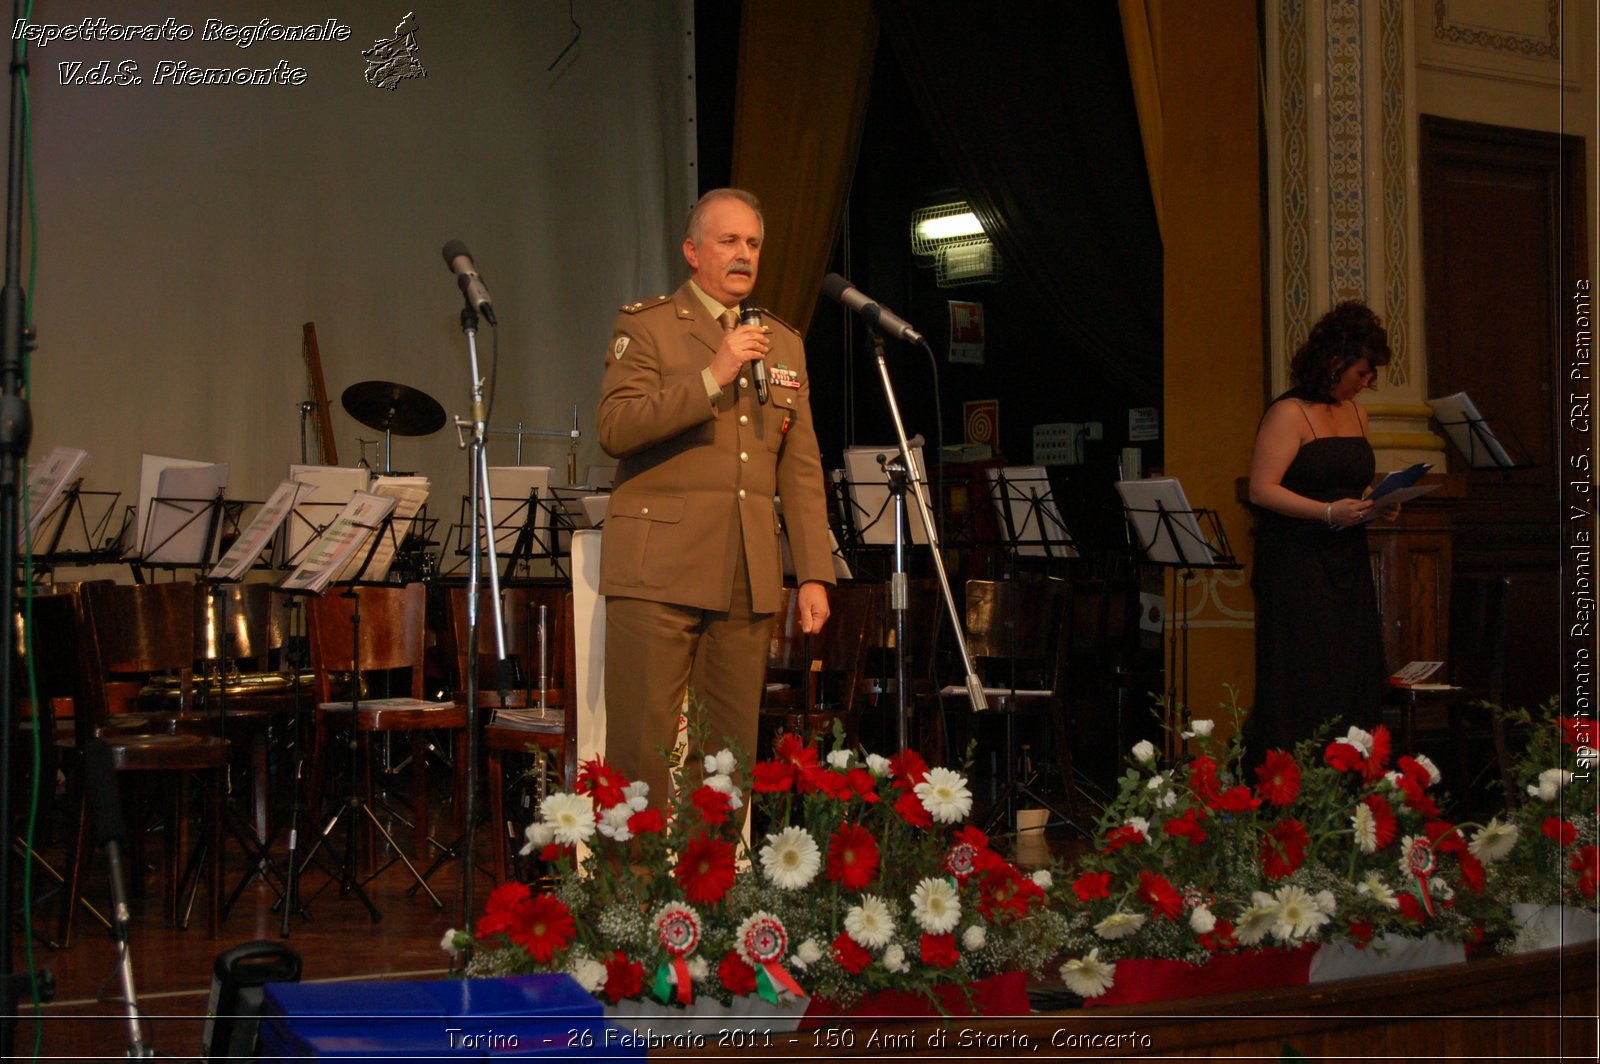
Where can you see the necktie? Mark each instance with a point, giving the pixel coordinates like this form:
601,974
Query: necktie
729,319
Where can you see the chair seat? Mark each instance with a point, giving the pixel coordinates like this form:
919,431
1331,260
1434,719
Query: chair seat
550,735
171,753
395,714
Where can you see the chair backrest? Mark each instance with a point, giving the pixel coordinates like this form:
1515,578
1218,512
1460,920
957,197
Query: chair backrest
520,607
144,628
246,627
393,623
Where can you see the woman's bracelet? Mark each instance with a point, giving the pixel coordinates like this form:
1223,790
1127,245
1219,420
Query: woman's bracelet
1327,514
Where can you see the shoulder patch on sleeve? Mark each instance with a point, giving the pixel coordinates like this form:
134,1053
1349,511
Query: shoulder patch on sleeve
643,304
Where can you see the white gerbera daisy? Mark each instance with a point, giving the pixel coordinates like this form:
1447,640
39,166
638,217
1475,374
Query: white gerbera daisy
894,959
1119,925
1257,920
839,759
973,938
1375,888
1365,828
1493,841
1144,751
945,796
790,859
936,906
721,763
1298,915
614,822
1088,976
878,765
570,815
539,835
870,923
1201,921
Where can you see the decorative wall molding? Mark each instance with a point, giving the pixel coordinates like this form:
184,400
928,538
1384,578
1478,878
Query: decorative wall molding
1207,591
1527,40
1394,179
1294,178
1344,83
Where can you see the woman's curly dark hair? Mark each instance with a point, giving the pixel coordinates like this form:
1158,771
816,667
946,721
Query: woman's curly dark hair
1340,338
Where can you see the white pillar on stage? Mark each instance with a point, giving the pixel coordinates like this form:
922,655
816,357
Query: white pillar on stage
589,637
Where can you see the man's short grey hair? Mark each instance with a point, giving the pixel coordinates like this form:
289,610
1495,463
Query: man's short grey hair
694,229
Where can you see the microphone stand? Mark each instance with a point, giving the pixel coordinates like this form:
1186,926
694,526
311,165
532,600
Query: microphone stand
482,525
898,586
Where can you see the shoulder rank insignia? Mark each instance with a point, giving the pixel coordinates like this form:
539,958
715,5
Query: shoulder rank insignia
643,304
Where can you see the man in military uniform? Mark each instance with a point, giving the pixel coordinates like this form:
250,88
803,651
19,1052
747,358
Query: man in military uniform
690,559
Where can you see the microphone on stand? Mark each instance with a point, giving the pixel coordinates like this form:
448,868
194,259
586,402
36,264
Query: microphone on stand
877,315
459,259
105,806
758,367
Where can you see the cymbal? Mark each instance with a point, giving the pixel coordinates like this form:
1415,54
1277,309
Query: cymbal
396,408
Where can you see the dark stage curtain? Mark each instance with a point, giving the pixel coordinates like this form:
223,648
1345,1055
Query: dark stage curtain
1032,107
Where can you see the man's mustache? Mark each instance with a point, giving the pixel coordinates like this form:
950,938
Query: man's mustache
741,267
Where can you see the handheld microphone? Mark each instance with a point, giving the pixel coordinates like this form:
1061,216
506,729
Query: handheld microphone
877,315
758,367
459,259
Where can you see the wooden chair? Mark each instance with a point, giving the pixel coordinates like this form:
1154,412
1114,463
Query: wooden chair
812,681
393,623
554,732
146,628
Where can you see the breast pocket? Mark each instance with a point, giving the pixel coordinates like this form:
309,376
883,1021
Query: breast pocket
780,411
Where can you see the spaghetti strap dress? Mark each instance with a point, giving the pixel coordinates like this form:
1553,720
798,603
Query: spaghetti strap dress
1319,645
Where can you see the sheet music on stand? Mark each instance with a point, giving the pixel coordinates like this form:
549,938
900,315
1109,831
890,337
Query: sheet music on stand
1471,434
47,483
1028,512
255,537
339,542
871,506
522,506
1168,529
409,495
330,488
185,515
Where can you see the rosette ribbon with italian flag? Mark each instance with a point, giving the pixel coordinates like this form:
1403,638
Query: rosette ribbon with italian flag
678,928
762,942
1421,862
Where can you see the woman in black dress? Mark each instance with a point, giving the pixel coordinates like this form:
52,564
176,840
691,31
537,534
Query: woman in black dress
1319,649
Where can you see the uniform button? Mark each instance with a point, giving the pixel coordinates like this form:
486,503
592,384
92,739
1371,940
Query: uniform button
744,457
644,509
744,419
741,493
744,382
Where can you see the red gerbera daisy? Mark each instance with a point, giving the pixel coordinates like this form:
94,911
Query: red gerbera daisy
501,911
714,805
736,975
1283,848
1279,776
1563,831
1092,885
604,784
852,857
1375,763
1384,826
849,954
705,870
908,768
1156,892
624,978
545,926
911,810
793,751
939,951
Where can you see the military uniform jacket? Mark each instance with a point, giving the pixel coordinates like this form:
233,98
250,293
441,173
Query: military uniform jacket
693,473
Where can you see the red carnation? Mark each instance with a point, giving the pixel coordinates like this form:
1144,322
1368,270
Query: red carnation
1156,892
849,954
1237,800
770,777
1092,885
1415,799
1577,733
646,822
624,978
1117,838
1383,821
557,851
1203,778
1219,938
1471,871
713,804
852,857
863,783
1563,831
1444,837
705,870
1283,848
908,768
736,975
911,810
502,909
545,926
1187,826
834,784
1005,893
973,836
939,951
1343,756
1411,908
604,784
1279,776
1360,932
1586,862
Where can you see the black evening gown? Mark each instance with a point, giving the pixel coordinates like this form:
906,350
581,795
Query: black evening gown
1319,648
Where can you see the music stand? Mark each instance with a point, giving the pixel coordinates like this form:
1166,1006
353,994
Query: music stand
74,523
1033,526
1474,438
1170,535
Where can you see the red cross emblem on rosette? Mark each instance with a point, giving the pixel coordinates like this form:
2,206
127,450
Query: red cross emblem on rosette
1420,861
763,943
678,929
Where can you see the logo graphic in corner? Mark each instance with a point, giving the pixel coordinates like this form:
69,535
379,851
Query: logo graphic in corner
393,60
